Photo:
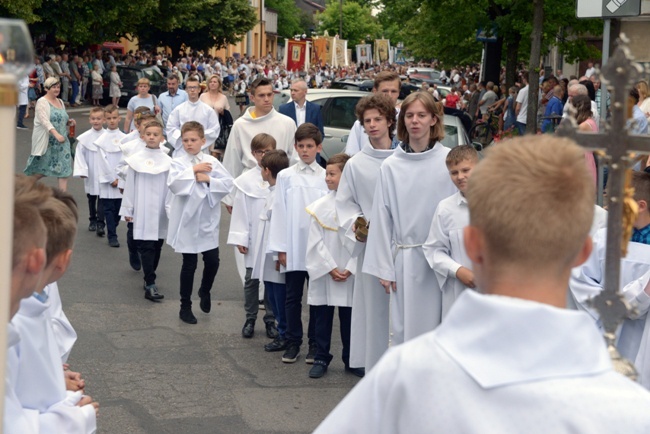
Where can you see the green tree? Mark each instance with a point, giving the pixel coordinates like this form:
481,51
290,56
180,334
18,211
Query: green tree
289,17
358,22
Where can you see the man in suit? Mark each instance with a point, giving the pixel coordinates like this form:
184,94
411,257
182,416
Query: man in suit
301,110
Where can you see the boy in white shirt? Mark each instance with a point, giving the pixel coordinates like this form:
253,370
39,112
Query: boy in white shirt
85,166
248,201
330,266
110,156
197,183
297,187
143,203
266,266
354,198
444,249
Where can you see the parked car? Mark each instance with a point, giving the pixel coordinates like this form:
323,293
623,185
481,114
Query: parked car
429,75
129,75
366,86
338,108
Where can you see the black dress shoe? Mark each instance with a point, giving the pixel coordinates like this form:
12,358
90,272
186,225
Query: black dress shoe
151,293
249,329
271,331
114,243
318,370
359,372
278,344
100,231
206,303
92,227
187,316
134,260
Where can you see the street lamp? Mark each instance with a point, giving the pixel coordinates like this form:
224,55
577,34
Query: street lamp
16,57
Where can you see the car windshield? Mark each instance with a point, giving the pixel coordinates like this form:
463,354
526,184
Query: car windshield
426,75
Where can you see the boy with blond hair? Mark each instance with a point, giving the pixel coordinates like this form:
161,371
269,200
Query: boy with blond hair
85,166
486,354
444,249
249,197
197,183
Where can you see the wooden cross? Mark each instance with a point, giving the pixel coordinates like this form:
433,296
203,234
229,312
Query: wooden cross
620,74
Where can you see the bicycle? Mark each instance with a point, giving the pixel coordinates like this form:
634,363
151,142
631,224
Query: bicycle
484,131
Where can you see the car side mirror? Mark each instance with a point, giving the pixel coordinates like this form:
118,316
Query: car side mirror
478,146
344,139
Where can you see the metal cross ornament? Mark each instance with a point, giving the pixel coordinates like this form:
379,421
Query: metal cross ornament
619,75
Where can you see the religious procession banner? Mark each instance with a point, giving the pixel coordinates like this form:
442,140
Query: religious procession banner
331,49
364,53
296,57
321,51
341,52
382,47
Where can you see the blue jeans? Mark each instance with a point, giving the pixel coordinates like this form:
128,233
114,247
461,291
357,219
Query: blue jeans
324,320
112,216
75,91
22,109
277,296
521,128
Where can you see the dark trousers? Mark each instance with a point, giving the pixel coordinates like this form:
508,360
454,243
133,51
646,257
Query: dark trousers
295,282
112,215
22,109
150,256
96,210
130,242
252,299
276,293
210,268
324,318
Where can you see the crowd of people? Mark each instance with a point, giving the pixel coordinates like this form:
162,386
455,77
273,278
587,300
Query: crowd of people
449,281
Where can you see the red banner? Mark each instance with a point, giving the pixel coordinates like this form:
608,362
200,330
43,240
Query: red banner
296,55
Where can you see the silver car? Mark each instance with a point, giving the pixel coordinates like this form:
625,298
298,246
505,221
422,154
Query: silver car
338,110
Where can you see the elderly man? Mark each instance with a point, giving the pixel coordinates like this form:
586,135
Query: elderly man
301,110
580,89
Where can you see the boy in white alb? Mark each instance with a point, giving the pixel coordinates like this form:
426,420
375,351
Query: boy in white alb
143,203
110,155
248,201
266,266
410,185
486,353
297,187
192,110
444,249
197,183
587,281
85,166
354,197
330,266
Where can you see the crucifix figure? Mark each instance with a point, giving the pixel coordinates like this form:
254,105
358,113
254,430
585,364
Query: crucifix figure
618,146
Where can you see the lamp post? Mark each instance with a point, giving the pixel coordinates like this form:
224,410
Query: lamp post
16,57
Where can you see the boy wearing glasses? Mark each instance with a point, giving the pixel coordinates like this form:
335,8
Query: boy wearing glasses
192,110
249,197
297,186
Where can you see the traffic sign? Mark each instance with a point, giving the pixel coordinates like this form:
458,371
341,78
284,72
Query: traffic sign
608,8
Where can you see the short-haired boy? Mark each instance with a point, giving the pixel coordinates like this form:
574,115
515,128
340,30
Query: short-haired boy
587,281
85,166
297,187
444,249
35,362
486,354
143,203
354,198
197,183
110,156
248,202
266,266
330,266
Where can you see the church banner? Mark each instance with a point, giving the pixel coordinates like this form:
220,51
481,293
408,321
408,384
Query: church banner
382,47
296,55
364,53
341,52
320,51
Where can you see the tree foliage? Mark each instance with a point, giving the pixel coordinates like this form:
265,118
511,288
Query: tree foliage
358,22
289,18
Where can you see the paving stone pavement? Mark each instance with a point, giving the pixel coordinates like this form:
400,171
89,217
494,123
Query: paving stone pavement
152,373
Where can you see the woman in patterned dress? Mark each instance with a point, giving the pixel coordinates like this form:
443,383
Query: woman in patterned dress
50,154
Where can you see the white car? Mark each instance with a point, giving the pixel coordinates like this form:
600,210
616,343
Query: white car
338,110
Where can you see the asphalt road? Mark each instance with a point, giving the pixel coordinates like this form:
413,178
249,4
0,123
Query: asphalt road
152,373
